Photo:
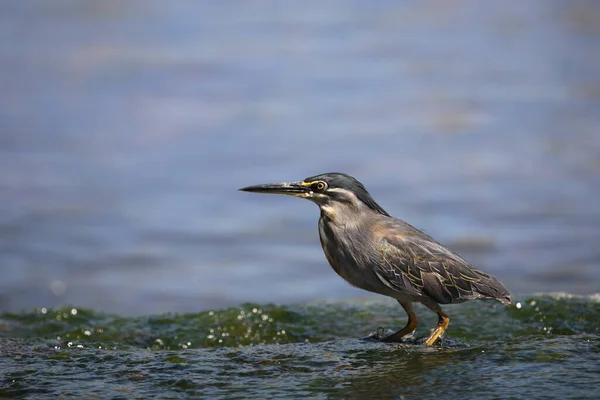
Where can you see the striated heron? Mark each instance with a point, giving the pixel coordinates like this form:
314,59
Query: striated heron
381,254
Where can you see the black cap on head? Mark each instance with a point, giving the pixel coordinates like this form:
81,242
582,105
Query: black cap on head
345,181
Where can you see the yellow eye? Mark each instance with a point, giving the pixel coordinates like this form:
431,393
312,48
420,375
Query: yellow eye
320,186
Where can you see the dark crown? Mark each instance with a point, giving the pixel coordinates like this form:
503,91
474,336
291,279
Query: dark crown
345,181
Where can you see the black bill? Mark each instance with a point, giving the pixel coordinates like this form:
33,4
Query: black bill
291,188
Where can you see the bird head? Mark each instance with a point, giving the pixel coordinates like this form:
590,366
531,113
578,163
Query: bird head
329,191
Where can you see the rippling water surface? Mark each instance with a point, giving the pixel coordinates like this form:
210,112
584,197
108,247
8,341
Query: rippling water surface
541,347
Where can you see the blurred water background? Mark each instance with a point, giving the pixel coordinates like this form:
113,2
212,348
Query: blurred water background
127,127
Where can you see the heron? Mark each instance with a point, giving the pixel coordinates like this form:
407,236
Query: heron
381,254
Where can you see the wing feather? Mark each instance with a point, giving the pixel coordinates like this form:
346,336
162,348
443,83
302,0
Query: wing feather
417,264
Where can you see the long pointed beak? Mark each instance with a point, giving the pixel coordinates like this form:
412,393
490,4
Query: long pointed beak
289,188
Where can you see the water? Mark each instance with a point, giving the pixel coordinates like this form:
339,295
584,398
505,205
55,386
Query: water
127,128
541,347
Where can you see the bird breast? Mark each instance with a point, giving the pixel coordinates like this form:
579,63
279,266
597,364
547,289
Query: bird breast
347,252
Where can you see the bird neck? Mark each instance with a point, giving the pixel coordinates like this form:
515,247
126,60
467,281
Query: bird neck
346,215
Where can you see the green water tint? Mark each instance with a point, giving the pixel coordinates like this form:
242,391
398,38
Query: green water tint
541,347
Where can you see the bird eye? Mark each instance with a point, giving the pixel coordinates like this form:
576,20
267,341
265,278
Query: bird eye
320,186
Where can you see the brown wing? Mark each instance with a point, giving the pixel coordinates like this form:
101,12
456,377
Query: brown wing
418,265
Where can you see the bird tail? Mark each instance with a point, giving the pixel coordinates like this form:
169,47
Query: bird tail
491,288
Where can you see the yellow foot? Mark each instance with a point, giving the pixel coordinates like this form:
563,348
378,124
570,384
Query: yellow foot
441,326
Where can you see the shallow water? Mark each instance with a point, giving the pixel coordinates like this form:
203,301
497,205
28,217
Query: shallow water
544,346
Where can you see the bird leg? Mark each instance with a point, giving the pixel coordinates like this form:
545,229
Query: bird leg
410,327
441,326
